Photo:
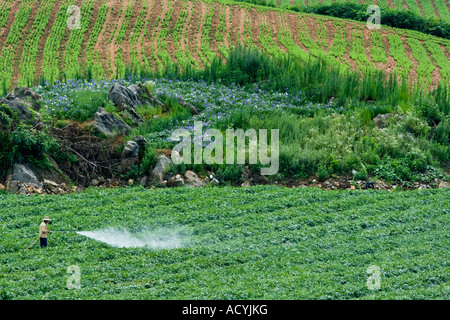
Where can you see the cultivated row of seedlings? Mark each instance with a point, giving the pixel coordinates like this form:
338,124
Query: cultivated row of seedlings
15,35
30,48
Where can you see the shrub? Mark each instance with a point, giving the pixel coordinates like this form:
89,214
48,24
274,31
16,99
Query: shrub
322,173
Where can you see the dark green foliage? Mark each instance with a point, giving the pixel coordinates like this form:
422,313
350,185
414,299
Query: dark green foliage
404,19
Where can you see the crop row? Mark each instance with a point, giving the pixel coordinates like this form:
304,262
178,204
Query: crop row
27,64
377,48
9,49
5,8
206,34
93,63
74,46
441,60
397,51
51,71
426,67
220,34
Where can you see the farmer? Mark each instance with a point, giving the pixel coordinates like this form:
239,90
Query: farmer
43,232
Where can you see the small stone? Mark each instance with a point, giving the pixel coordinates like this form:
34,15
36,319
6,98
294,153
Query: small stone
442,184
130,182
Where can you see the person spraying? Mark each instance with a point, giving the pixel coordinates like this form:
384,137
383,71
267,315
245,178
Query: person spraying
43,231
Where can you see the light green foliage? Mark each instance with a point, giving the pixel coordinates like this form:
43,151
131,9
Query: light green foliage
257,238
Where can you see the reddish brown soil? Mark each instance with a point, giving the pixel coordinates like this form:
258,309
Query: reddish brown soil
227,27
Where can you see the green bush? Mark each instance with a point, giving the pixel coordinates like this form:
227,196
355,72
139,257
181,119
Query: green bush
404,19
230,173
322,173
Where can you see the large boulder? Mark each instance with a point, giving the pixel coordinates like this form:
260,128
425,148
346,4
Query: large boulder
131,150
33,97
22,176
23,108
193,179
160,168
122,96
133,96
107,124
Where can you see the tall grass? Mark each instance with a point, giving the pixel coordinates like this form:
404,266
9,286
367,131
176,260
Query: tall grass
318,80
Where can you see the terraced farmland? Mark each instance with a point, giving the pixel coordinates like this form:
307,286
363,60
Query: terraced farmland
143,35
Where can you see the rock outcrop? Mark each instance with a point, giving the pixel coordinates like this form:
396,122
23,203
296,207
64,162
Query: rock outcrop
108,124
22,178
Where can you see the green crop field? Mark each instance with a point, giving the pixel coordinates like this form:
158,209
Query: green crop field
93,94
239,243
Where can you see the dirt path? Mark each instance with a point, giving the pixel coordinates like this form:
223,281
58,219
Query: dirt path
234,25
390,3
177,6
157,29
391,64
227,27
348,28
203,9
242,15
39,63
435,10
405,5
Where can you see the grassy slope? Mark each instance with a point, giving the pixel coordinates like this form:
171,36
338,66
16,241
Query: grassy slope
261,242
320,38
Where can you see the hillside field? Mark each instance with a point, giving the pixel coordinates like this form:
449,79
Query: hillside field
239,243
143,35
